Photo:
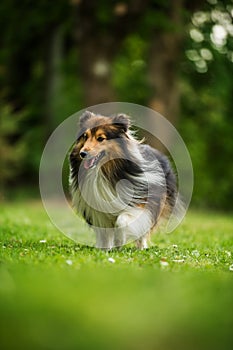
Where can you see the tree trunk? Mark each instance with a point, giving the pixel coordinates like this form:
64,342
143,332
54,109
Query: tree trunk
164,65
53,61
96,59
99,42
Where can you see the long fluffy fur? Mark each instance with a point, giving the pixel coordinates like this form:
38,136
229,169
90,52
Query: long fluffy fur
120,186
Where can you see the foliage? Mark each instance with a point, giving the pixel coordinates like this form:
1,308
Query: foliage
207,130
206,105
130,74
57,294
12,146
42,73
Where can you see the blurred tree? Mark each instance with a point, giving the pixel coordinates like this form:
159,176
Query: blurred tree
103,27
12,147
166,38
207,88
79,52
29,72
100,29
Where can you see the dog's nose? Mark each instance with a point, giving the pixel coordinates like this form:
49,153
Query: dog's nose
83,154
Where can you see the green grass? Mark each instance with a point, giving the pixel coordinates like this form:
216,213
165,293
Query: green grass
56,294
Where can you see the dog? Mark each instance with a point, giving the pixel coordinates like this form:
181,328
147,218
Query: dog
122,187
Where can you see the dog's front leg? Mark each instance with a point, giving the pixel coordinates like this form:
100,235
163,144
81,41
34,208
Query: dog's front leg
104,238
119,236
134,225
142,243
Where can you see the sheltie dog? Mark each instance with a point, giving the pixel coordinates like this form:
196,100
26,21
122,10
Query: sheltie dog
120,186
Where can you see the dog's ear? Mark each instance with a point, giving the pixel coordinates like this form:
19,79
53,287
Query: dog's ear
85,117
122,121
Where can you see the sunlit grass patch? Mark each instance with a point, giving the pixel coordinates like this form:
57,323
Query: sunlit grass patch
57,294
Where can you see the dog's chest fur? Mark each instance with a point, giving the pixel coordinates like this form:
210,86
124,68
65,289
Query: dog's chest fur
100,202
97,201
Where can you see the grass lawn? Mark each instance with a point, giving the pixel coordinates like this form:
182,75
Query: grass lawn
56,294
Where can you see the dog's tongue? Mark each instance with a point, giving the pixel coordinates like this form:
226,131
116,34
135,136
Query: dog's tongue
88,163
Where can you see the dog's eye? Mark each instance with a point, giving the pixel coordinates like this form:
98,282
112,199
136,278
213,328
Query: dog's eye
85,137
100,138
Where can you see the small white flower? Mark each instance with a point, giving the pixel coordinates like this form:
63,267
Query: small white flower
175,246
111,260
178,261
228,253
43,241
69,262
231,267
195,253
164,263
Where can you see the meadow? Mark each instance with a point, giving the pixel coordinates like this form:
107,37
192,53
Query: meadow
57,294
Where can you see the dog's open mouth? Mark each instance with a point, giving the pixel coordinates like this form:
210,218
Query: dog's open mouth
91,162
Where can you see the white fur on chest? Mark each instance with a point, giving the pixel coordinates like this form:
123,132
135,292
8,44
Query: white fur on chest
98,201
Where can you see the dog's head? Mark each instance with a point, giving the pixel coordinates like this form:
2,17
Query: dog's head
99,138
